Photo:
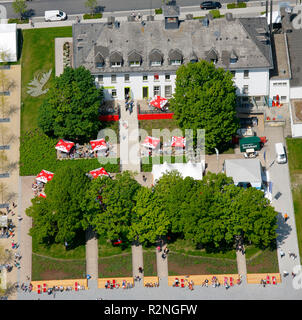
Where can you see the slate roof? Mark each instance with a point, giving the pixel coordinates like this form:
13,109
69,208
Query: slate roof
239,35
294,40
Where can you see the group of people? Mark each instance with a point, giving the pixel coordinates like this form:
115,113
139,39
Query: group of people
125,285
137,17
165,251
37,187
129,104
152,284
290,254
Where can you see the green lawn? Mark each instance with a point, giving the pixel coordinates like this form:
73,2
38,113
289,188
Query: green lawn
44,268
150,266
106,249
38,55
117,266
265,261
161,124
180,264
294,149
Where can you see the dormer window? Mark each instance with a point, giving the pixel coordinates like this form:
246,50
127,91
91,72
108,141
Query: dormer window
212,56
116,59
134,59
175,57
100,55
175,62
156,58
99,61
155,63
233,57
116,64
135,63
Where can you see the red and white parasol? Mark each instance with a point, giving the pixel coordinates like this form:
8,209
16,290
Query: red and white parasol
179,142
158,102
44,176
151,142
99,172
42,194
99,144
64,145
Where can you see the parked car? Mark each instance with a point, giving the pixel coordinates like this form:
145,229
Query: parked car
206,5
55,15
280,152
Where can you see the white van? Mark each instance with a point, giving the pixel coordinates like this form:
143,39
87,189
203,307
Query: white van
55,15
280,152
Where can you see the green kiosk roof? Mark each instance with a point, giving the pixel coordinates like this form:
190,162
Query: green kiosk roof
249,143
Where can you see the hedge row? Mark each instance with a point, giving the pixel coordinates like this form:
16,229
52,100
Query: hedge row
37,152
236,5
92,16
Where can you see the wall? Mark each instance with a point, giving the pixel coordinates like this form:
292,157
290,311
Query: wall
296,93
136,84
281,88
258,82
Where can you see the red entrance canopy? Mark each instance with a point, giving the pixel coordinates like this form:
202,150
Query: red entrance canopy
158,102
44,176
64,145
99,172
99,144
151,142
179,142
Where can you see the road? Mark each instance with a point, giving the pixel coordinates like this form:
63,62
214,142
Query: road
71,7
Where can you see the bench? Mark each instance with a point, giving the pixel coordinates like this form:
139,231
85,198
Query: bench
151,280
65,283
116,281
255,278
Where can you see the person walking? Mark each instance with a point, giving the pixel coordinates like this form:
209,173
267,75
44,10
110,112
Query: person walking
285,217
140,270
282,254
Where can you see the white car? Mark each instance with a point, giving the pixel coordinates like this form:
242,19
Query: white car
55,15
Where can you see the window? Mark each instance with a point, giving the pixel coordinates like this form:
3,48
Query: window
284,84
113,78
145,77
127,77
257,99
155,63
233,60
156,90
115,64
99,65
156,77
233,73
245,74
113,93
245,89
135,63
167,77
175,62
283,98
168,91
100,78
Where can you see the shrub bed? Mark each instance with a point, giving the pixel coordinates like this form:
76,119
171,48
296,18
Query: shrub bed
92,16
158,11
18,21
236,5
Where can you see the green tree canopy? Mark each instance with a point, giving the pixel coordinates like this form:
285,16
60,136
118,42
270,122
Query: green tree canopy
91,4
149,222
19,6
59,217
205,98
111,203
71,107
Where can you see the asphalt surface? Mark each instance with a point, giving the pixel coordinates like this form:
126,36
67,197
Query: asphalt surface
36,8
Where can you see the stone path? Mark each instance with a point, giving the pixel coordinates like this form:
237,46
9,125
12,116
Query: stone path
92,254
279,173
162,264
10,136
241,263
